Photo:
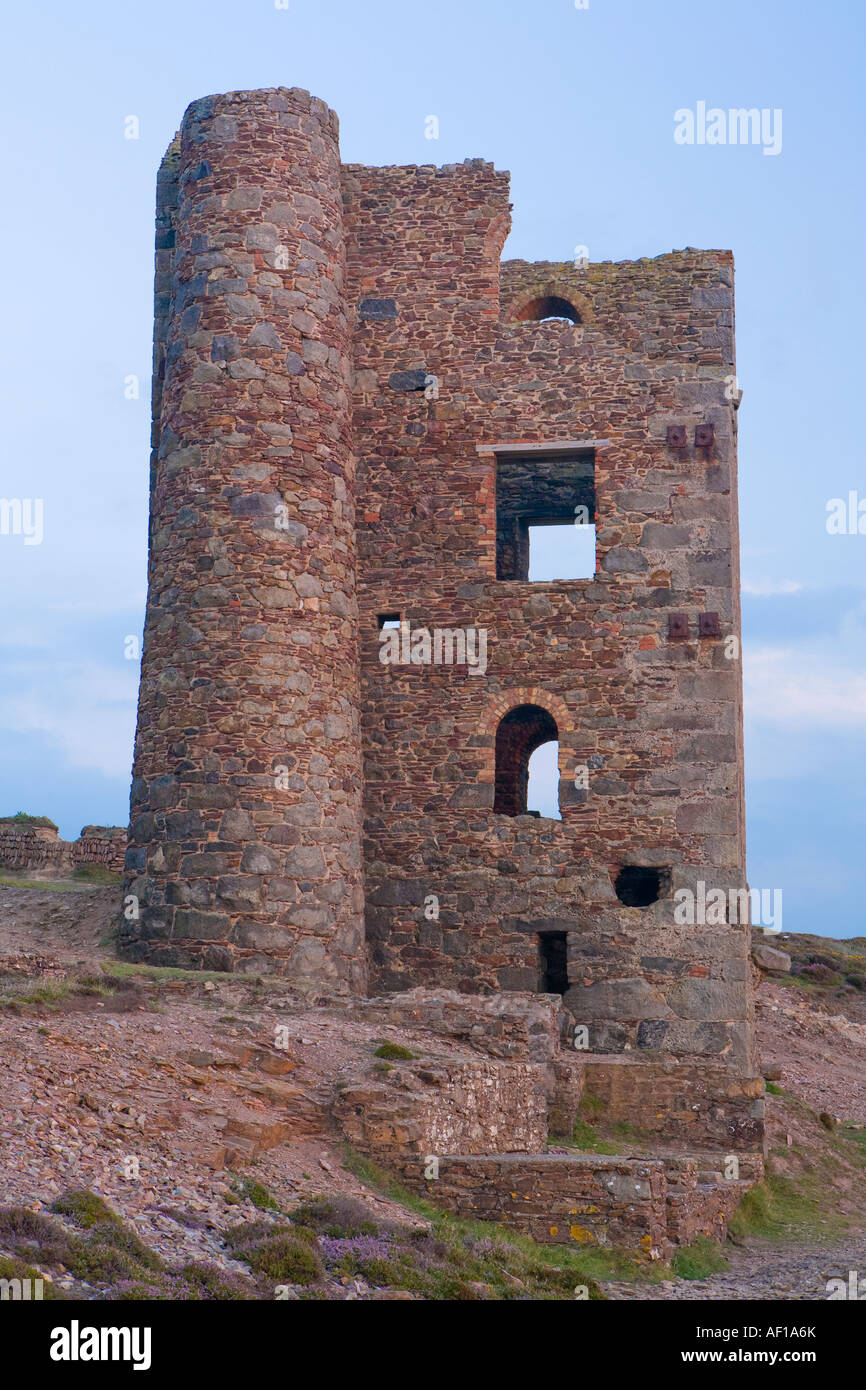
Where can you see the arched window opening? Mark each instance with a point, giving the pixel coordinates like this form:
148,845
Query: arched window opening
520,733
548,307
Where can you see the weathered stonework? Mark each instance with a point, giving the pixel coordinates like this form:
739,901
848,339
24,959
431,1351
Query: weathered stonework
356,407
38,850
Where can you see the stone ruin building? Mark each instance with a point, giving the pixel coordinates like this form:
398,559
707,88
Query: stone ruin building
360,414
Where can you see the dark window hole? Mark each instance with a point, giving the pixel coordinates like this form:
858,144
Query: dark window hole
638,886
552,962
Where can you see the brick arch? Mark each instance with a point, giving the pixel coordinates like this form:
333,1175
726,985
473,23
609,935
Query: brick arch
539,717
514,308
529,695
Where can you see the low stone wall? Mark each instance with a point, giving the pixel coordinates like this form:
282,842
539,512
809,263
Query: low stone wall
701,1203
100,844
471,1133
560,1199
694,1105
444,1106
39,851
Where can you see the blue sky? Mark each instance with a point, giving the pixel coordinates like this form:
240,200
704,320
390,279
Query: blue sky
579,105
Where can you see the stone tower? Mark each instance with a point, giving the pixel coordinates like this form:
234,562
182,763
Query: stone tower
246,797
485,399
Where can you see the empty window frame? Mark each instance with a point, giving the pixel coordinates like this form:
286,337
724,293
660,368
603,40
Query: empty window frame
520,732
545,517
552,962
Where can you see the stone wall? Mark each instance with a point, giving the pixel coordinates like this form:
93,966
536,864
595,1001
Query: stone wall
441,1106
515,1026
38,850
99,844
561,1199
654,719
692,1105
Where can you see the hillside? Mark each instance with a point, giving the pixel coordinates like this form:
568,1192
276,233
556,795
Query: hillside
162,1095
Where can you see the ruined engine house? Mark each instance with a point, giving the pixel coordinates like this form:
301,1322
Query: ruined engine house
361,417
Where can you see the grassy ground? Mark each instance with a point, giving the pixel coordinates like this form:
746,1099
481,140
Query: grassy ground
823,967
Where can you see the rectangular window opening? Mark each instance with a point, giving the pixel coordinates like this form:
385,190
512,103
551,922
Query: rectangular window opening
545,518
387,621
552,962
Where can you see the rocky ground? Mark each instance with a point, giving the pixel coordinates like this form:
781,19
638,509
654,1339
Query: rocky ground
191,1104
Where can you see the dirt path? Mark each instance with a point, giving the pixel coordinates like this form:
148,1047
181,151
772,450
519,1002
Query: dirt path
778,1272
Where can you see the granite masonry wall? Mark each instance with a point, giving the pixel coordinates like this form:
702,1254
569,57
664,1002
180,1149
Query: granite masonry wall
246,797
300,499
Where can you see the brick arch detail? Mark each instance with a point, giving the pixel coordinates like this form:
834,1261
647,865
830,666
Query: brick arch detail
502,704
546,289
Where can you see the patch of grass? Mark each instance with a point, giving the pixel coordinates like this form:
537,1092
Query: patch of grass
207,1281
256,1193
124,969
16,1269
193,1282
591,1105
586,1138
47,885
699,1260
278,1252
95,1262
96,873
24,821
115,1234
46,994
32,1234
84,1208
393,1052
773,1089
782,1207
856,1134
336,1216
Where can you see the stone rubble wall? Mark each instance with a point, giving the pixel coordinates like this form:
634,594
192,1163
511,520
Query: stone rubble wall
562,1199
690,1104
443,1106
516,1026
100,845
39,850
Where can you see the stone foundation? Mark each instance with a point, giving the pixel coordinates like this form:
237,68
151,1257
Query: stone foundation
472,1134
686,1103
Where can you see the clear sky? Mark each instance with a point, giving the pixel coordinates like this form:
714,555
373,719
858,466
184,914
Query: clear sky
579,104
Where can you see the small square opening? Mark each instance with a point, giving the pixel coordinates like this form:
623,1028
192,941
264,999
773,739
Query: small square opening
387,621
552,962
